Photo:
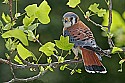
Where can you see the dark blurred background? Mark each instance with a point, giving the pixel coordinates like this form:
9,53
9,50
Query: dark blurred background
52,31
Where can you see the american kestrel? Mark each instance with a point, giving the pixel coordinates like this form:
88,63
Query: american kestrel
84,43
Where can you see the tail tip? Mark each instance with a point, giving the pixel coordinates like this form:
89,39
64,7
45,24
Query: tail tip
95,69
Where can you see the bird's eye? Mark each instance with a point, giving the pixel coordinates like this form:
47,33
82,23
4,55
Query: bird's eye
71,18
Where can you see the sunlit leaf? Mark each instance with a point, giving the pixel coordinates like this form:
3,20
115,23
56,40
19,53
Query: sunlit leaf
73,3
72,72
101,12
49,60
78,70
31,9
1,24
42,68
24,53
60,59
33,26
63,67
87,14
94,7
43,12
63,43
51,69
117,21
117,27
31,35
16,58
28,20
6,18
7,26
48,48
122,61
5,1
116,49
123,15
7,56
19,34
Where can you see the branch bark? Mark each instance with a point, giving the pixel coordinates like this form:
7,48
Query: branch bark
11,10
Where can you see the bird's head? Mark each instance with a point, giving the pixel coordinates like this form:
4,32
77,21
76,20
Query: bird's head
69,19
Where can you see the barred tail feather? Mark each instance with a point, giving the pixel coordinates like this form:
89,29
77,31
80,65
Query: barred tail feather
91,62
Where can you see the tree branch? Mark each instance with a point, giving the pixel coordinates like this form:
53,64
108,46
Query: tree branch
111,44
10,9
26,79
30,65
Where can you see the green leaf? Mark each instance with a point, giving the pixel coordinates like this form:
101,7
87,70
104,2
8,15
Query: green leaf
27,21
1,24
63,67
122,61
63,43
101,12
41,69
116,49
94,7
78,70
60,59
42,13
16,58
73,3
7,18
87,14
123,15
9,44
120,70
19,34
6,2
51,69
24,53
117,27
33,26
49,60
7,26
115,24
31,9
72,72
48,48
7,56
31,36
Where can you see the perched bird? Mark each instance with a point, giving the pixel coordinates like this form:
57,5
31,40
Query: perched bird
84,43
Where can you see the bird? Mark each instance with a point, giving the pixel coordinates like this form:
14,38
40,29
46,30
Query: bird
84,43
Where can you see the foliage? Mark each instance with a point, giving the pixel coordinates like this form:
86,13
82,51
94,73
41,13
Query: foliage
73,3
94,8
48,49
117,27
63,43
17,38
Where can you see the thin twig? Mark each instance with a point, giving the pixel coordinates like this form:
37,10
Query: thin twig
38,41
95,23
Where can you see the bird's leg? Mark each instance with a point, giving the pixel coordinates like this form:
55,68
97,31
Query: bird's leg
75,51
